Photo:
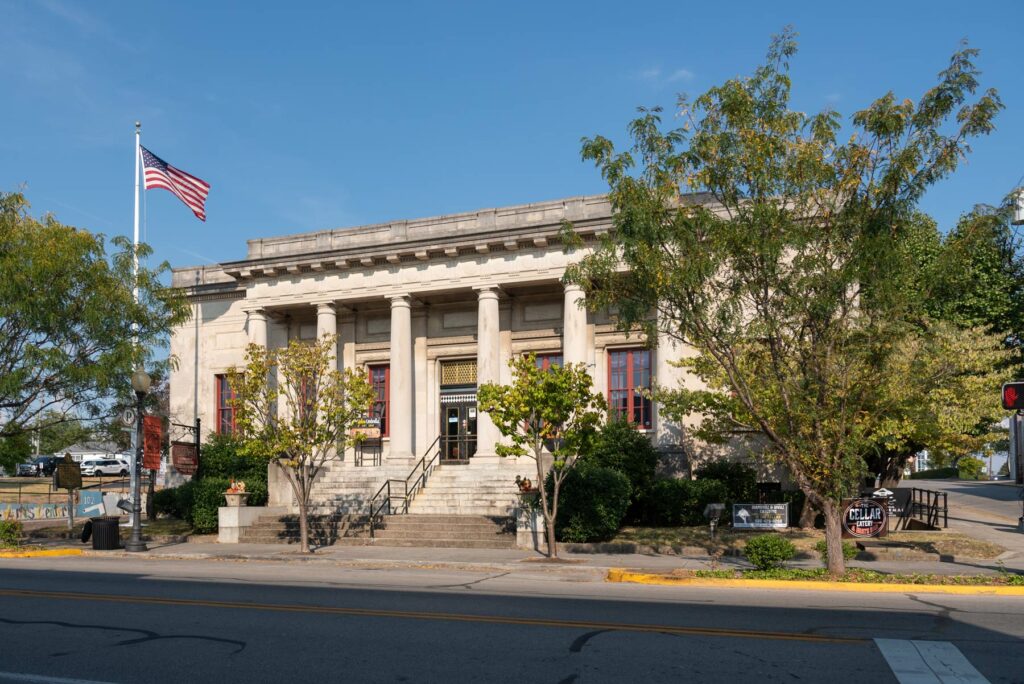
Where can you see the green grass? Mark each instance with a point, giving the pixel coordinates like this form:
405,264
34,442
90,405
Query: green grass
861,575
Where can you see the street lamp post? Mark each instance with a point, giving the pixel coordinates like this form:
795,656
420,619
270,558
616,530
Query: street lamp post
140,383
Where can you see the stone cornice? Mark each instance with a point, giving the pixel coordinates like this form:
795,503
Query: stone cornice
477,234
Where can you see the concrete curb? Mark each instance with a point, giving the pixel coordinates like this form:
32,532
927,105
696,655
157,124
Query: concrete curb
620,575
40,553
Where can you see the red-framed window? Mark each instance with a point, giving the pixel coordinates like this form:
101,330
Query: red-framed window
225,411
546,362
629,373
380,379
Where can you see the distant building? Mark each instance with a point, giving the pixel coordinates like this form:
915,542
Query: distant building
90,450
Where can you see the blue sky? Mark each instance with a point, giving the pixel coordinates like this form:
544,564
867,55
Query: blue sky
306,117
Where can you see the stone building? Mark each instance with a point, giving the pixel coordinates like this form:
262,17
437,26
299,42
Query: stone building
430,308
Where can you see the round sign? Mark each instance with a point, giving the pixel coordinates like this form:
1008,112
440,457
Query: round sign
128,417
865,518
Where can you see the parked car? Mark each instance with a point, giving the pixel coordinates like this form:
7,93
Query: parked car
40,467
107,466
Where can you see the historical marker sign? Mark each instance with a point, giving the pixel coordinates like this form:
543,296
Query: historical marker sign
68,474
760,516
863,518
184,457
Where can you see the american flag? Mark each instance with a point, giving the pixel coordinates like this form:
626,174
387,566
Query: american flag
189,189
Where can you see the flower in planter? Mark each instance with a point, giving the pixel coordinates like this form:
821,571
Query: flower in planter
237,487
524,484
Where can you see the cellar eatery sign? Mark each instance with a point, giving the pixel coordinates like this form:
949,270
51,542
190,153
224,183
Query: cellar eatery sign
864,518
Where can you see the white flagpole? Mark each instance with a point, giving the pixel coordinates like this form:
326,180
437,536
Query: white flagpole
134,471
135,253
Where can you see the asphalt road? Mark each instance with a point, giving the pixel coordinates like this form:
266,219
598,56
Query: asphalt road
118,620
997,501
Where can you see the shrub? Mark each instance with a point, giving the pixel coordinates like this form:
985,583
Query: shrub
165,502
222,456
935,474
675,502
10,533
622,447
591,504
740,480
767,551
207,495
970,468
849,550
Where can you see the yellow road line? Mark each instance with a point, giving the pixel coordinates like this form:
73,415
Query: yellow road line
425,615
40,553
617,575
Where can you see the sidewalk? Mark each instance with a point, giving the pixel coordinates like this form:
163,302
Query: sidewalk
592,566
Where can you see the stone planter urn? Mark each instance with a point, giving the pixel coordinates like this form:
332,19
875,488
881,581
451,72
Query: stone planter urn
236,498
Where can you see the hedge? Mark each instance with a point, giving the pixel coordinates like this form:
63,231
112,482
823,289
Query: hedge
935,474
620,446
592,502
675,502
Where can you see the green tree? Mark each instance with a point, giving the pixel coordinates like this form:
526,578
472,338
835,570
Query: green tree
294,409
545,414
786,271
68,319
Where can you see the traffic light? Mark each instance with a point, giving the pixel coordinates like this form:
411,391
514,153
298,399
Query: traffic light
1013,396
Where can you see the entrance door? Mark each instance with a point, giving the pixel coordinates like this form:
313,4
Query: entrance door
458,427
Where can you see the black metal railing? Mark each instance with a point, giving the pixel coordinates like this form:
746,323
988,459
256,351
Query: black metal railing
411,486
925,506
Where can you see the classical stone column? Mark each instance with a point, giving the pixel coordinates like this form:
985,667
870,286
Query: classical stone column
327,324
488,359
574,326
257,325
400,427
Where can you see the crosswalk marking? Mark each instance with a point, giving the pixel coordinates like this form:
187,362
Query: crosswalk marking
928,662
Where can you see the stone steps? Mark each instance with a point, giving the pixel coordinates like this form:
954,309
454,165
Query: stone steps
439,531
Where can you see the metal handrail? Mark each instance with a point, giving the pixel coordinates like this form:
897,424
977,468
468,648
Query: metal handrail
424,467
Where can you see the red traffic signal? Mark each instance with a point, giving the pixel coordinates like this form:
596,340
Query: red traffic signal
1013,396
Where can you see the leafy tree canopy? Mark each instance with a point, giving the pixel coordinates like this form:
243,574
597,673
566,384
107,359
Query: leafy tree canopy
68,319
781,254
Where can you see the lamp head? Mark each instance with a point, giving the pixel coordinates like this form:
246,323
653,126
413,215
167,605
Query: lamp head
141,381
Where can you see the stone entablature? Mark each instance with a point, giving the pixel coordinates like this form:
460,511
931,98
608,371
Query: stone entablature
480,233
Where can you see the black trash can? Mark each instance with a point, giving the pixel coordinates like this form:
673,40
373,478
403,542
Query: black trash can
105,533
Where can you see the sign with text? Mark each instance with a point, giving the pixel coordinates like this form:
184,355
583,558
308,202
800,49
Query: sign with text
68,474
184,457
152,436
754,516
863,518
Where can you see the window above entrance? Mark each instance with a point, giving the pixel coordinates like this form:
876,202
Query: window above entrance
458,372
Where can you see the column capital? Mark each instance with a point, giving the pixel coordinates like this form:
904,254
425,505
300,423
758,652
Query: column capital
256,312
488,291
572,287
400,301
324,303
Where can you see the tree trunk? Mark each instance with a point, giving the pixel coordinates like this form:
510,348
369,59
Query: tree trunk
807,515
549,520
834,538
303,529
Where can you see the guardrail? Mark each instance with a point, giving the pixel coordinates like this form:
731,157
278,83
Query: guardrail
418,478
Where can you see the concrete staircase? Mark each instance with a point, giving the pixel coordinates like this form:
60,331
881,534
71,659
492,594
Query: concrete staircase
447,531
470,490
324,530
461,506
